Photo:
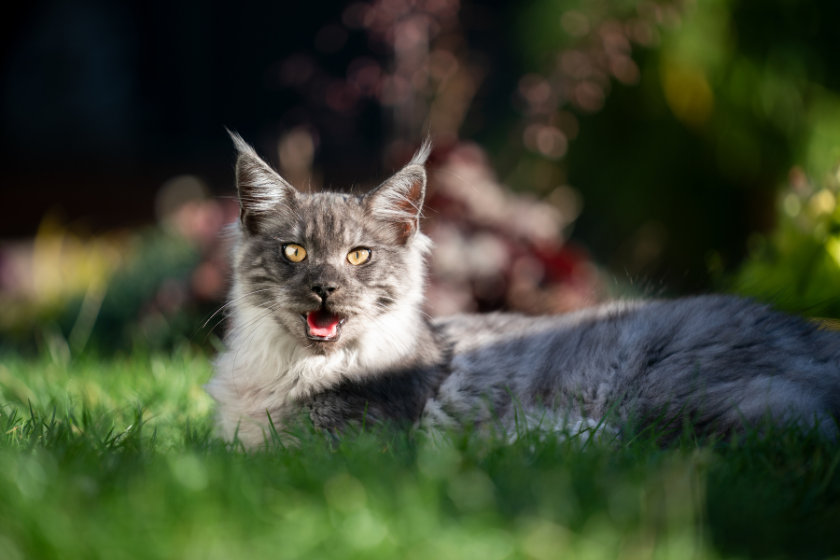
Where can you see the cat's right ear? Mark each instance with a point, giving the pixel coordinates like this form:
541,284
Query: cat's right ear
262,191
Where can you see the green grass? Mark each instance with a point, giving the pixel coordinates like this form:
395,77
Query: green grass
115,458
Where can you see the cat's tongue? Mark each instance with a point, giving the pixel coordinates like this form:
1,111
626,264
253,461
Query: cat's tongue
322,323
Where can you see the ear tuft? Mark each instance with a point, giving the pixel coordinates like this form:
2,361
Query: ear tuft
262,190
423,153
398,202
242,147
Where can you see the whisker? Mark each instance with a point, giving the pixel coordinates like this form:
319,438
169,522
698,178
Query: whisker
219,322
236,331
213,328
219,310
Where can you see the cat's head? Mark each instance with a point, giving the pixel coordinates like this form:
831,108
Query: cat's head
329,267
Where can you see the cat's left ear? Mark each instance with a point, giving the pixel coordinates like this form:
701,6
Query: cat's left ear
398,201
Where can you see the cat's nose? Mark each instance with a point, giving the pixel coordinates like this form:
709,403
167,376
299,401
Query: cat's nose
324,290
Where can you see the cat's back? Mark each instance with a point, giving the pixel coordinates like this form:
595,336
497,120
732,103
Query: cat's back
700,322
655,349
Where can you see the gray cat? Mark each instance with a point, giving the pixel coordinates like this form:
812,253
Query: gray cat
325,319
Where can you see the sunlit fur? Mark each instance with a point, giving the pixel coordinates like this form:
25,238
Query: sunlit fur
719,362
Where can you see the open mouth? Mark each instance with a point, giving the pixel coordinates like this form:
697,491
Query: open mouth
323,325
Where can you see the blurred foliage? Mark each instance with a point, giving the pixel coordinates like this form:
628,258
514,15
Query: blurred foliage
678,164
798,267
115,292
69,291
147,302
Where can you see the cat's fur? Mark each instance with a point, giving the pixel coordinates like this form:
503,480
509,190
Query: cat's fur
720,361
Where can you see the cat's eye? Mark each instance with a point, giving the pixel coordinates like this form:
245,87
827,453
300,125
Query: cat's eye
358,256
294,252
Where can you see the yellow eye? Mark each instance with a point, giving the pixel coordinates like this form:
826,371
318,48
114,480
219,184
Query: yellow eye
358,256
294,253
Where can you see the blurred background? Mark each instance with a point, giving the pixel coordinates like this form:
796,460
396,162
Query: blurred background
584,150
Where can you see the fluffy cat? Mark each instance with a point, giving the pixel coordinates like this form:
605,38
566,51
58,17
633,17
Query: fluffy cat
325,319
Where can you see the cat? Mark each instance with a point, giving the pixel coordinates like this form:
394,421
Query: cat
326,320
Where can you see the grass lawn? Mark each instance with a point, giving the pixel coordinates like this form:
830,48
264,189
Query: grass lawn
114,458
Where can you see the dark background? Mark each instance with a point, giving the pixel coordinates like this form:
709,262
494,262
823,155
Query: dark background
103,101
